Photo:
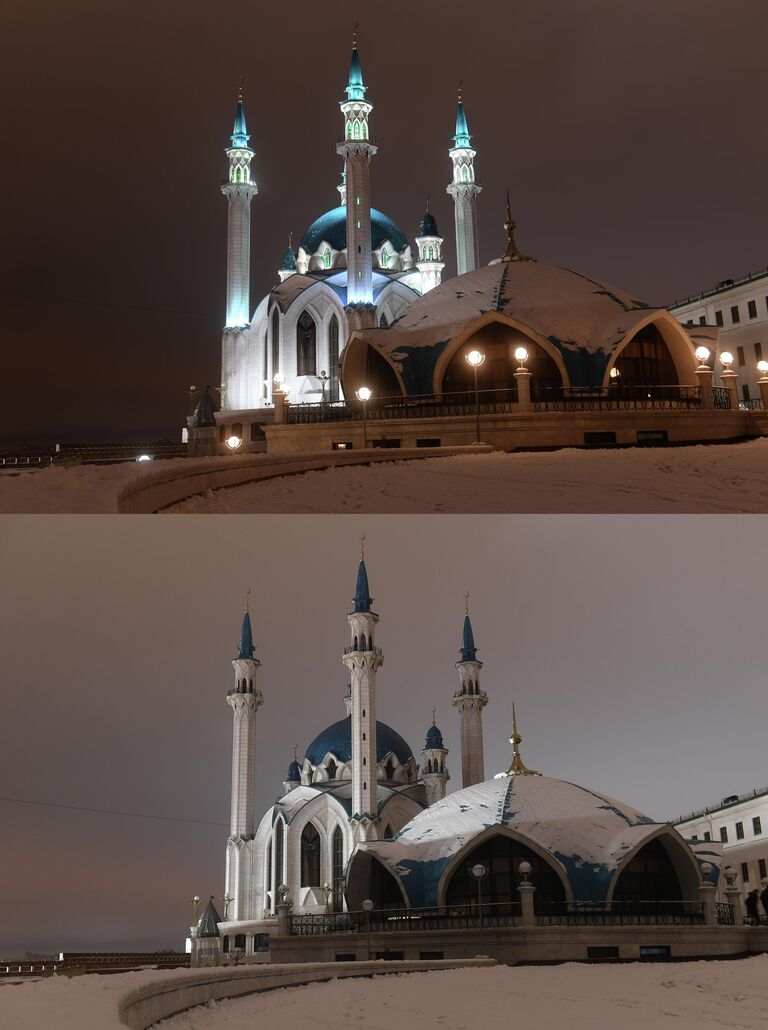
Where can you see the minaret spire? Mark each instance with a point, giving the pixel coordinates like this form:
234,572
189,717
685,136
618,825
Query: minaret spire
357,152
434,772
464,189
518,767
512,253
239,191
470,701
363,659
428,248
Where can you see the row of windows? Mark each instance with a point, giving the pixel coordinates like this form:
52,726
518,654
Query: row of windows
735,314
757,829
761,870
741,356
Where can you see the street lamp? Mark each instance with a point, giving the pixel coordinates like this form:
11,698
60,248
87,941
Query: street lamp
521,355
479,873
278,379
703,354
195,906
364,395
234,443
762,368
475,359
726,359
615,373
368,908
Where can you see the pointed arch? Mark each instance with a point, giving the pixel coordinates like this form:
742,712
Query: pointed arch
337,869
310,856
306,345
279,850
682,860
670,334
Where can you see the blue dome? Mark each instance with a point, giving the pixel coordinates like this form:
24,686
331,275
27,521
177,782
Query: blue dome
434,738
332,227
294,773
289,260
428,225
337,739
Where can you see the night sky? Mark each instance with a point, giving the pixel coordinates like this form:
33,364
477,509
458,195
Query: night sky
632,647
632,135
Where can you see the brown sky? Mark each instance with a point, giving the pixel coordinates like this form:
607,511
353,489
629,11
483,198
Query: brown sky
633,647
632,135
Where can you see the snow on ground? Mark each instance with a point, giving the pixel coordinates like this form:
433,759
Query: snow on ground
723,478
683,995
686,996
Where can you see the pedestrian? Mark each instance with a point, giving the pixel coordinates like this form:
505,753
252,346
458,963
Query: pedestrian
753,917
764,898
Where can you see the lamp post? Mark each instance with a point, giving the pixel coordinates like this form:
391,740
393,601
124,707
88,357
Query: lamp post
475,359
324,379
195,906
479,873
364,395
234,443
368,908
729,377
703,372
762,382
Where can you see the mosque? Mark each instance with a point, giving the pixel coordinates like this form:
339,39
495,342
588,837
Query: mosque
517,352
364,824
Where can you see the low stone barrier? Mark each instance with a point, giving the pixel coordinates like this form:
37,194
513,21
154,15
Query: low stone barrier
166,485
146,1005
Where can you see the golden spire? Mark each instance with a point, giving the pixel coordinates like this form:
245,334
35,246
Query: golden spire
247,598
512,253
518,767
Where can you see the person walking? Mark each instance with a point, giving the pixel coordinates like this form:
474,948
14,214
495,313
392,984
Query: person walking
753,916
764,899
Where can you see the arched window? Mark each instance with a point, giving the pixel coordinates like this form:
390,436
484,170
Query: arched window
306,345
383,323
357,130
278,878
331,769
275,334
645,361
384,258
225,944
648,877
240,941
431,253
268,867
502,856
349,130
333,359
310,856
327,257
497,375
388,832
464,173
389,769
337,878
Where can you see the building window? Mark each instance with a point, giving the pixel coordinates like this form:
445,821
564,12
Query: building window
739,831
333,359
278,878
707,835
735,317
327,258
757,826
310,856
695,836
702,319
761,868
758,352
306,345
740,355
752,308
338,870
744,872
718,318
724,834
275,334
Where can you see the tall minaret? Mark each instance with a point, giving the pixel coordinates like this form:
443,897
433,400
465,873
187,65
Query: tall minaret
362,659
244,699
470,701
464,189
434,773
428,244
357,151
239,191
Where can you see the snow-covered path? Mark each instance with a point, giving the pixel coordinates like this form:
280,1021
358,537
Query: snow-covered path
686,996
725,478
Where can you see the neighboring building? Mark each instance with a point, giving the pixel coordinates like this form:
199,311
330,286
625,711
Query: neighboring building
740,824
739,309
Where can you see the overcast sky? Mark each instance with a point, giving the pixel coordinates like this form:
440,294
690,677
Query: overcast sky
633,647
631,134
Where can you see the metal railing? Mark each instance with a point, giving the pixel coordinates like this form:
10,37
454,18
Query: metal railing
622,913
724,913
407,920
615,398
728,802
444,405
754,404
722,397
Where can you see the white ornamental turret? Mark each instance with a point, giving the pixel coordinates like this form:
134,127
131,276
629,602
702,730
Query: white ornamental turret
429,256
464,189
434,772
470,701
239,191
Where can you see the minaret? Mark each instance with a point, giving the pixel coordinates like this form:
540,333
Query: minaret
244,699
293,776
464,189
434,773
357,151
428,245
470,701
518,767
289,261
239,191
362,659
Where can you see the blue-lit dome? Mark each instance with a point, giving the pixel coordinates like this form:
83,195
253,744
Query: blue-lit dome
332,227
289,260
294,773
337,739
428,225
434,738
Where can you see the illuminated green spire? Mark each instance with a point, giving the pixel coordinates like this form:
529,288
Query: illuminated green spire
240,135
355,87
462,137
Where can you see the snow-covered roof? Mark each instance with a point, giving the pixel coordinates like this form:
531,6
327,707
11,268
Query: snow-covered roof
584,833
292,803
583,318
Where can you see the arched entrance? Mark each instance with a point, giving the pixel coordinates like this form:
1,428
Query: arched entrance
306,345
498,343
380,377
501,856
645,361
648,883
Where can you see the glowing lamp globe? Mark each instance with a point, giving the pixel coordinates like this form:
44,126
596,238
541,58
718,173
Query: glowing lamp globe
762,367
233,442
703,353
478,871
278,379
614,373
726,359
367,905
475,358
521,354
144,457
364,394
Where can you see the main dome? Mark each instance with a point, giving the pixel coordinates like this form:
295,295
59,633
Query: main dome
332,228
337,739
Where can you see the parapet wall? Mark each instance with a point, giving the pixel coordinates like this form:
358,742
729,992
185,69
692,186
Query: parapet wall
146,1005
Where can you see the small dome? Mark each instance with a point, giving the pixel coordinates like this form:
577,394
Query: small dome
332,227
434,738
294,773
289,261
337,739
428,225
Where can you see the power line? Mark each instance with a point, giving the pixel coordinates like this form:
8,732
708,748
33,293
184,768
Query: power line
112,811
